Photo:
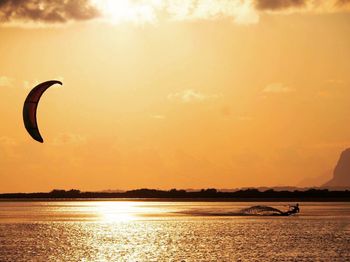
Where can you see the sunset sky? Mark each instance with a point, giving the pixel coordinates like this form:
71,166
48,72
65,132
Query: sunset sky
174,93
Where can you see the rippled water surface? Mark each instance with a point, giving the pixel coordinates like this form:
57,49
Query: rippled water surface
170,231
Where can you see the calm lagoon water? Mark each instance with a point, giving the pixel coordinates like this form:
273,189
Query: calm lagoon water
170,231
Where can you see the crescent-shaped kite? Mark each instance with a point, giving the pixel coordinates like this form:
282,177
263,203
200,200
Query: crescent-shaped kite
30,108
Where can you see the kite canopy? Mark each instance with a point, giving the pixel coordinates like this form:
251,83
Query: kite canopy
30,108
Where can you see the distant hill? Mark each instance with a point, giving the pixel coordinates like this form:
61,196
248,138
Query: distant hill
316,181
341,173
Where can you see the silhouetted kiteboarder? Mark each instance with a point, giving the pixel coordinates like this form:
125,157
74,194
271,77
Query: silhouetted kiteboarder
293,209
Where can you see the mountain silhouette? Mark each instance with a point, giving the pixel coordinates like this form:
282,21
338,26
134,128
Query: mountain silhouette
341,173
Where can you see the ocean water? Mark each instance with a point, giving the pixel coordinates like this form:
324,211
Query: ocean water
170,231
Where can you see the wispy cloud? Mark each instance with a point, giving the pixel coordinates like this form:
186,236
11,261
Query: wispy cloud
278,88
302,5
190,95
159,117
5,81
30,84
8,141
152,11
343,2
335,81
69,139
279,4
242,12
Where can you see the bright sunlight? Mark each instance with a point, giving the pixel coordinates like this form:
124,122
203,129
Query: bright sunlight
129,11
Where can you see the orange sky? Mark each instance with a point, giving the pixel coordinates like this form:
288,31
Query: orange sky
165,94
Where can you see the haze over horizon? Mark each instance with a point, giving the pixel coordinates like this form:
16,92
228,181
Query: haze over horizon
174,94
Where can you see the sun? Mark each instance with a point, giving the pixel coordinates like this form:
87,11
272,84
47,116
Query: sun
119,11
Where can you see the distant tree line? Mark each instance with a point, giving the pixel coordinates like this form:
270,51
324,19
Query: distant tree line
210,194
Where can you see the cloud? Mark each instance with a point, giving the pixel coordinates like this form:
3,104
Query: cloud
343,2
278,4
190,95
302,5
42,12
46,11
277,88
5,81
247,11
242,12
151,11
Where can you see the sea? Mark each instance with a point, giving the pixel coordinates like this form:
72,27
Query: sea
129,230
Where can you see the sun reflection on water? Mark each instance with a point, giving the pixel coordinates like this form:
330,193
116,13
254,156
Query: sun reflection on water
102,211
117,211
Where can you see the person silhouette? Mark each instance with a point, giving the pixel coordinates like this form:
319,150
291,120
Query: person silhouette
294,208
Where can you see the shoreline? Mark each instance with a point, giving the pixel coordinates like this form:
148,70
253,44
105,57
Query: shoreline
198,199
174,195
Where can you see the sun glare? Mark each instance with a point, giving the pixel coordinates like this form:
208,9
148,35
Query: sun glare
128,11
116,211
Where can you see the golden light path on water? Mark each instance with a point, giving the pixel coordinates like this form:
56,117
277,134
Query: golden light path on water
124,230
